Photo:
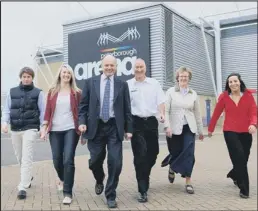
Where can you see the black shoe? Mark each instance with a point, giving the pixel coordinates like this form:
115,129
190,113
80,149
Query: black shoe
143,197
171,175
22,194
233,179
112,204
99,187
244,196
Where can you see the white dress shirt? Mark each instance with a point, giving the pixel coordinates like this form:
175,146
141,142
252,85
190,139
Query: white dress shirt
145,97
103,81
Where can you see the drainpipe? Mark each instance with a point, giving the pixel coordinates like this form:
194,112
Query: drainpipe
218,56
209,61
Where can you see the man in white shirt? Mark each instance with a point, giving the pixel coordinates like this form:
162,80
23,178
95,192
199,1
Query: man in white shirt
147,100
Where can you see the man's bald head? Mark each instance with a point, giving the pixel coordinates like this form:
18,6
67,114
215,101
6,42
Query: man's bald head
139,69
109,58
140,61
109,65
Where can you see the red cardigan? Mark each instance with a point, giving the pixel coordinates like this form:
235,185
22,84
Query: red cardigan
51,105
237,117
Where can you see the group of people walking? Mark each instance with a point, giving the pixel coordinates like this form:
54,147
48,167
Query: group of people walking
108,110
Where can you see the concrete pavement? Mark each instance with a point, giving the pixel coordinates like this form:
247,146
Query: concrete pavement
213,191
42,149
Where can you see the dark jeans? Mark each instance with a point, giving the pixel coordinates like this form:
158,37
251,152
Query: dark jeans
106,136
181,148
239,145
145,147
63,146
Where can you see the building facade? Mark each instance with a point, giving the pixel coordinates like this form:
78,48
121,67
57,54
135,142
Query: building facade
174,41
166,40
239,49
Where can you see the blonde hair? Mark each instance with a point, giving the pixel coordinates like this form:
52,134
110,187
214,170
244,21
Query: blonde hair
56,86
183,69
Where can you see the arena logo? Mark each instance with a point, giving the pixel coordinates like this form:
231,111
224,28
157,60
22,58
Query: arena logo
131,34
124,66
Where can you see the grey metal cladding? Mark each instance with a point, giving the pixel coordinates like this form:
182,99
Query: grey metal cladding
188,50
239,54
155,14
236,32
236,21
168,48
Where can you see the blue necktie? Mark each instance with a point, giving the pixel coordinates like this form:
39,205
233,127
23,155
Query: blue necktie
106,101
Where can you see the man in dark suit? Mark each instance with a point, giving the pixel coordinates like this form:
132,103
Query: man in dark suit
104,117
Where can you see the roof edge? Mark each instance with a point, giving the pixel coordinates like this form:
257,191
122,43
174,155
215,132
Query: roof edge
124,10
114,12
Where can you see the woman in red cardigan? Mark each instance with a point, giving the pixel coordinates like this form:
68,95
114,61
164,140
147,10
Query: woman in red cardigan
240,123
61,122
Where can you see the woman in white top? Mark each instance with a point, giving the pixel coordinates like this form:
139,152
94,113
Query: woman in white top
182,121
61,121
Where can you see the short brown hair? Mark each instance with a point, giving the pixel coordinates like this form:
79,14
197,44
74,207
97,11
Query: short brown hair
27,70
183,69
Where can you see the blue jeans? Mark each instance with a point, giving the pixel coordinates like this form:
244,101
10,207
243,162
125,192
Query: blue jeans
63,146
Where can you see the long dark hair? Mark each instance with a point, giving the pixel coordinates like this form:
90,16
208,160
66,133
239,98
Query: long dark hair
242,84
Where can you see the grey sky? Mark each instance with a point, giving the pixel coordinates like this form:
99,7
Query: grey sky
27,25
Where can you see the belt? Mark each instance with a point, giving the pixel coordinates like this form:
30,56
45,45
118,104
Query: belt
144,118
109,120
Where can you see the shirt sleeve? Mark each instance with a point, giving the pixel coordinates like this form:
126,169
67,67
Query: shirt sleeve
129,87
160,95
216,113
167,109
253,111
198,116
41,105
6,110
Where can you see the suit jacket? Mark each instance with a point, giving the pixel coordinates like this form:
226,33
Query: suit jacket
89,108
51,105
177,106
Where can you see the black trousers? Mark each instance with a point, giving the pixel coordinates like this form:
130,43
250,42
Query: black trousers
63,145
239,145
106,136
145,147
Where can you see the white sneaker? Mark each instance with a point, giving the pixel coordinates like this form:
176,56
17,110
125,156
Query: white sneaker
67,200
60,186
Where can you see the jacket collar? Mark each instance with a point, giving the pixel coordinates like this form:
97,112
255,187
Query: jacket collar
177,89
26,87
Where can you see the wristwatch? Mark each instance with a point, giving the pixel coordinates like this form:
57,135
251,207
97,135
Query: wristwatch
44,124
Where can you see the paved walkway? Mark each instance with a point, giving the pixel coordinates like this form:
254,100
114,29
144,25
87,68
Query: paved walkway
213,191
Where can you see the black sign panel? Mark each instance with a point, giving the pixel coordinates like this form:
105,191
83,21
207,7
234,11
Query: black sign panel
127,42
